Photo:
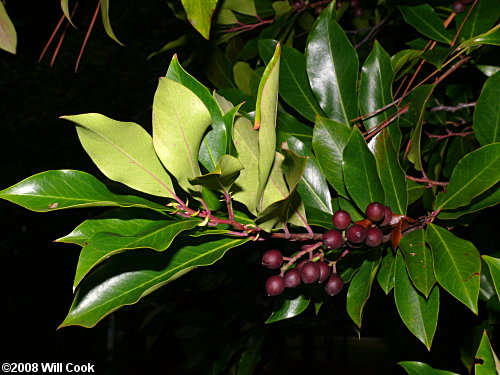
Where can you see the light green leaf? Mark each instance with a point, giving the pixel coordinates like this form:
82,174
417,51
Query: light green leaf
182,40
124,152
419,368
106,22
457,265
424,19
199,13
222,178
474,174
487,112
56,190
65,9
486,361
494,266
244,77
8,35
179,121
420,315
246,7
288,308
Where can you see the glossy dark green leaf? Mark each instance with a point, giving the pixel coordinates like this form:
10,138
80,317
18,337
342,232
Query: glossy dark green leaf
288,126
404,60
375,90
424,19
457,265
418,259
199,13
415,117
360,172
288,308
419,315
487,113
106,21
8,35
494,266
491,37
332,68
392,176
219,70
415,191
474,174
157,236
349,206
489,198
484,15
486,361
329,140
361,285
456,150
293,83
385,275
419,368
127,277
55,190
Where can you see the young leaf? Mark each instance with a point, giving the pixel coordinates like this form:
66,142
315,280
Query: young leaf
265,121
179,121
157,236
294,85
375,90
124,152
332,67
419,368
126,278
481,18
361,285
329,140
420,315
385,274
288,308
106,22
276,187
424,19
65,9
360,172
56,190
494,266
474,174
8,35
487,113
457,265
199,13
418,259
486,361
222,178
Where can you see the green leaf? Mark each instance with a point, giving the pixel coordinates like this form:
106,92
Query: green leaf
157,236
293,83
392,176
122,221
489,198
484,15
329,140
424,19
420,315
126,278
251,355
418,259
265,121
491,37
360,286
385,275
486,361
415,191
246,7
487,113
415,116
404,60
199,13
457,265
494,266
56,190
360,172
8,35
219,70
124,152
474,174
245,77
222,178
332,67
375,90
106,22
246,141
288,308
288,126
419,368
65,9
179,121
173,44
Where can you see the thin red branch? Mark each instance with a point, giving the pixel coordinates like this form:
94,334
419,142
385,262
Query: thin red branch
91,26
51,38
427,181
449,134
463,22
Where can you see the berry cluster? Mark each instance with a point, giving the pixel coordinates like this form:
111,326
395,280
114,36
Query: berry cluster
354,4
317,268
460,6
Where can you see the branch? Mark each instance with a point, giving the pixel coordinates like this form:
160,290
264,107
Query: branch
449,134
251,26
427,181
447,108
373,31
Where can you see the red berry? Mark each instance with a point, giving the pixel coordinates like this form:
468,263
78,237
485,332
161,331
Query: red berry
275,285
387,216
292,278
299,266
272,259
375,212
458,6
341,219
356,233
373,237
324,271
354,3
334,285
332,239
309,272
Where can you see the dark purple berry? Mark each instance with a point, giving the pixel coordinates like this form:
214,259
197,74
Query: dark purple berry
373,237
356,233
324,271
375,212
358,12
339,3
334,285
292,278
387,216
332,239
272,259
275,285
354,3
299,266
341,219
458,6
309,272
